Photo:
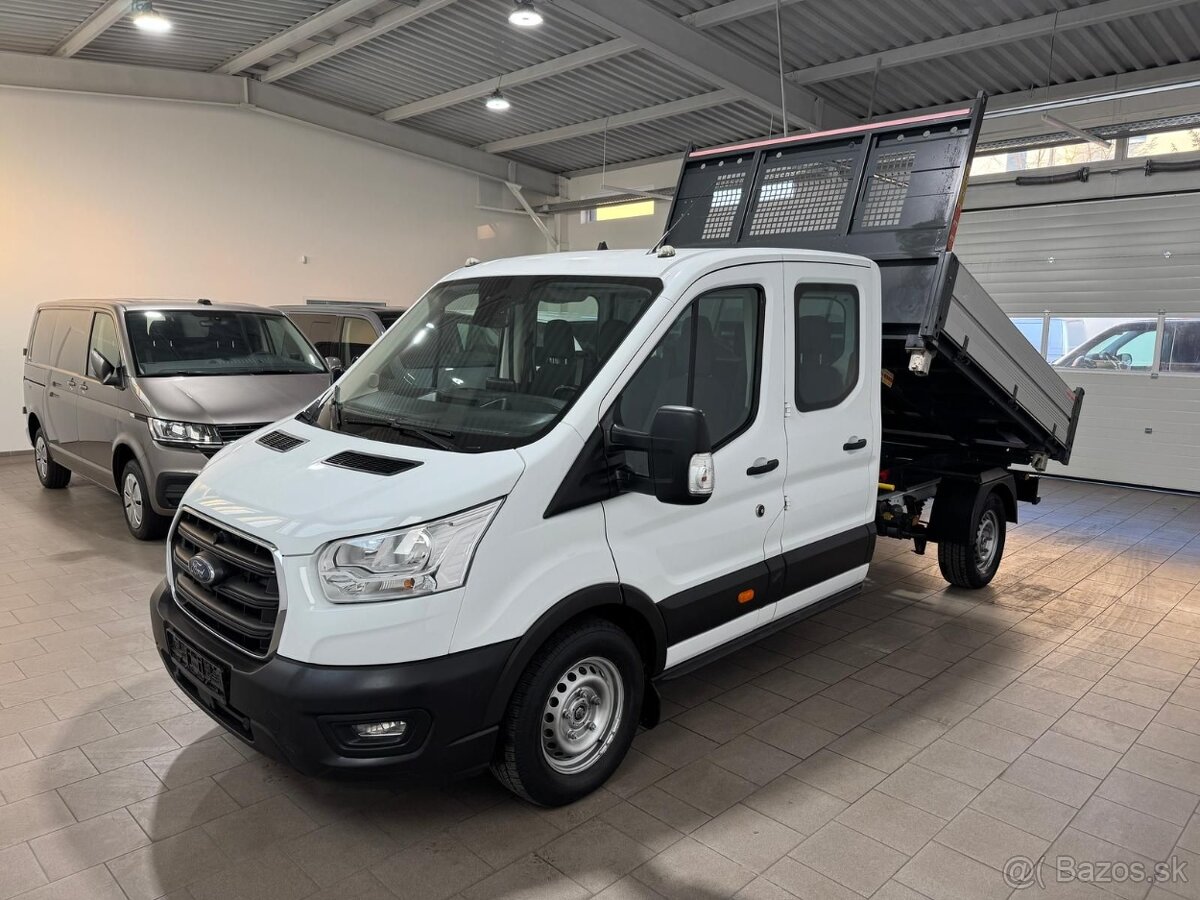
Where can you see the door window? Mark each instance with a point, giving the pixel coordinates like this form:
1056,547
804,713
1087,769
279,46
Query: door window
357,335
320,330
710,359
68,348
827,363
104,341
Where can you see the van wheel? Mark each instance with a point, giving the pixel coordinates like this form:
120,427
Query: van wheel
972,564
50,473
144,523
572,716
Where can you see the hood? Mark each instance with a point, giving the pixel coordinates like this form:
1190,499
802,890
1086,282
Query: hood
229,399
296,502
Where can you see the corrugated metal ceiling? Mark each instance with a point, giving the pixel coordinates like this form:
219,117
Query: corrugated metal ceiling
470,42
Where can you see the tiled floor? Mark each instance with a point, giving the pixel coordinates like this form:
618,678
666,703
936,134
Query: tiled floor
906,744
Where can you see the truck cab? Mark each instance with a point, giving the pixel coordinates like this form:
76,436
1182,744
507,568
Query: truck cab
560,479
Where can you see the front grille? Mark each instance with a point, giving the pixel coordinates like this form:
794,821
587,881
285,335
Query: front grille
281,441
242,607
367,462
230,433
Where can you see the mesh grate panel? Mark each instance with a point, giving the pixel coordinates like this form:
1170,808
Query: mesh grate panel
887,190
727,196
798,197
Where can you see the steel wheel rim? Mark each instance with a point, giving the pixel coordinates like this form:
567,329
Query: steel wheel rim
41,457
987,540
131,497
582,715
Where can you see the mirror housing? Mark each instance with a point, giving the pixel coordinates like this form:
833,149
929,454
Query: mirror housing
681,464
105,371
336,369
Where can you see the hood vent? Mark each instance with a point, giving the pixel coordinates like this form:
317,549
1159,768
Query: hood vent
280,441
366,462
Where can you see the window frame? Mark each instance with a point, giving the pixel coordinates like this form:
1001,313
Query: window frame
692,306
858,312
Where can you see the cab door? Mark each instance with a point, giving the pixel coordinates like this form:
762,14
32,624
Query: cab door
720,350
833,429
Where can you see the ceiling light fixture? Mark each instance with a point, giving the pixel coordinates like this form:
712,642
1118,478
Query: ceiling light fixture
147,19
525,15
497,102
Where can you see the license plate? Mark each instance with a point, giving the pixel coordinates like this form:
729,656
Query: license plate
210,674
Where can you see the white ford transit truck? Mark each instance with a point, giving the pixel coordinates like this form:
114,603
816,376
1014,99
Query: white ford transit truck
560,479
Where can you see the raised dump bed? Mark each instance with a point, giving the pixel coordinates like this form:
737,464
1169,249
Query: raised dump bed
960,382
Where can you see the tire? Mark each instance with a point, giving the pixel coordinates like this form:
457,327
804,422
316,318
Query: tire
143,522
50,473
972,564
593,673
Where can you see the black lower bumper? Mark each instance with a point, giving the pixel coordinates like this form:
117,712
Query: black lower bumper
300,713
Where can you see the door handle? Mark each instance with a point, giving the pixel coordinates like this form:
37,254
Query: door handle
83,385
855,443
762,466
71,383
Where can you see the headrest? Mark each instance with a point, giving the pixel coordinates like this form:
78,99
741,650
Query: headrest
815,344
559,343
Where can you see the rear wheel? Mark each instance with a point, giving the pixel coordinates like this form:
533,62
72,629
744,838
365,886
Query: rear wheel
50,473
973,563
144,523
572,716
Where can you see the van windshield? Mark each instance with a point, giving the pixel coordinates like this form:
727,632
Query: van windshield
218,342
485,364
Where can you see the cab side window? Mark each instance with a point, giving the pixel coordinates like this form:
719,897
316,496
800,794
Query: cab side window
68,348
827,332
104,341
710,359
321,330
43,336
357,335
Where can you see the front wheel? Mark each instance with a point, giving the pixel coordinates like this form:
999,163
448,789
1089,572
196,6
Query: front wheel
144,523
572,716
973,563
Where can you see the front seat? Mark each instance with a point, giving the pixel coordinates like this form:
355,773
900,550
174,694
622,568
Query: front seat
818,383
560,364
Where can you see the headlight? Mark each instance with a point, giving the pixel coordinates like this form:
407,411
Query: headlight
412,562
184,434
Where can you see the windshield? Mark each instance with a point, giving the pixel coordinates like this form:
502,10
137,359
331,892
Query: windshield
485,364
206,342
1126,346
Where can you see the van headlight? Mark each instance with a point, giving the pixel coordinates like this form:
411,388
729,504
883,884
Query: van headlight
184,434
411,562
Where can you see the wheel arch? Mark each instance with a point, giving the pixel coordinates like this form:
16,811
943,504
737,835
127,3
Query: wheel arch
626,607
123,452
959,501
32,424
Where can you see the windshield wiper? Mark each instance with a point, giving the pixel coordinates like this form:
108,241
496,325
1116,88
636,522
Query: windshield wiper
435,437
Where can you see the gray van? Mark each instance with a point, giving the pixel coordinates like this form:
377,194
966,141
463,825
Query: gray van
342,331
138,395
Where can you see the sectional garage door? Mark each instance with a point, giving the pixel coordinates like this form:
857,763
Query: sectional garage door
1129,267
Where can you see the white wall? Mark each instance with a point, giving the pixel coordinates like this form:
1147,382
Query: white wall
105,197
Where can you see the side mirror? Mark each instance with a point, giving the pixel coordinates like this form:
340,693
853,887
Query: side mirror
105,371
681,462
336,369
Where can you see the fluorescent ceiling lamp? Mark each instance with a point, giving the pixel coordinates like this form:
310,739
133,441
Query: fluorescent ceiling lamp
147,19
525,15
497,102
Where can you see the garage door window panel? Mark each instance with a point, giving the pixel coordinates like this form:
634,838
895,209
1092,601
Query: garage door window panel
1109,344
1181,347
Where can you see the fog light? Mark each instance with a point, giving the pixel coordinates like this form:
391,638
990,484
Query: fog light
394,728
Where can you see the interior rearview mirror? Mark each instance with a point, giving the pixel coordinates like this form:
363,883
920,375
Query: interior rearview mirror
336,369
681,462
105,371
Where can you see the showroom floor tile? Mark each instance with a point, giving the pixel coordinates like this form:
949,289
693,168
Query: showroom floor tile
906,744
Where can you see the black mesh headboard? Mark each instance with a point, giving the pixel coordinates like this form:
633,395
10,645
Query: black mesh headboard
888,190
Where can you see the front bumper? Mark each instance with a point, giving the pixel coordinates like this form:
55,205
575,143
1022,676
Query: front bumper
296,712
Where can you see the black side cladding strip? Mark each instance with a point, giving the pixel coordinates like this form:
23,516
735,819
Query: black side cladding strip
714,603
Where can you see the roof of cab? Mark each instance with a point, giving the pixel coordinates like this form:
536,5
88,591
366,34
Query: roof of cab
124,304
642,264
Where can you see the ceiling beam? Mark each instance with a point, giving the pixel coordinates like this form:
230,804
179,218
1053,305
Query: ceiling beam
92,27
621,120
721,14
347,40
24,70
710,60
1022,29
310,28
